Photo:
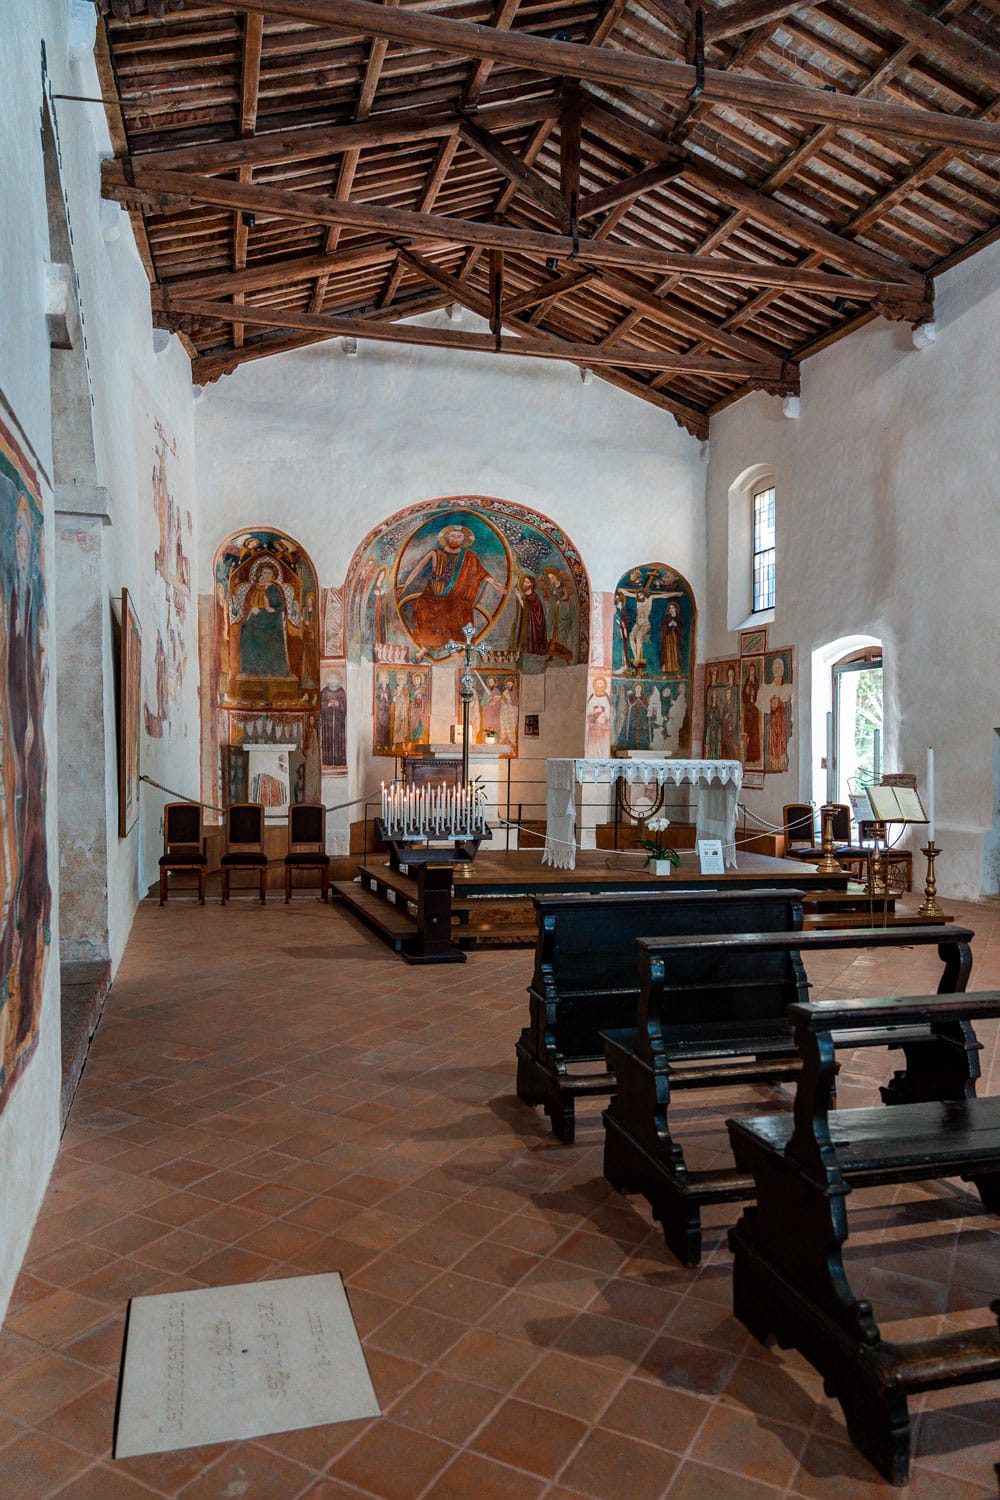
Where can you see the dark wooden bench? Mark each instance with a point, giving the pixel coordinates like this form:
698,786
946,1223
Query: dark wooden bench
789,1278
714,1010
586,979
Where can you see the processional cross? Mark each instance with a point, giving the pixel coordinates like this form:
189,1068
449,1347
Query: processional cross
467,686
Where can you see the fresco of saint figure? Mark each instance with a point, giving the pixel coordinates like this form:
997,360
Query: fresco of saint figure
447,587
267,607
333,723
775,701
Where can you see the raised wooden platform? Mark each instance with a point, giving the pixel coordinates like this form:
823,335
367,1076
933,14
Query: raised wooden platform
492,904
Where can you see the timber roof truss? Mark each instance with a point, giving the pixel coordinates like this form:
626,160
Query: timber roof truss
686,200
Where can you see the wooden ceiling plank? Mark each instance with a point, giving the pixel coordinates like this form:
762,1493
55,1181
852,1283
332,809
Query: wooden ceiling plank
250,81
446,338
968,57
547,292
608,66
403,223
501,22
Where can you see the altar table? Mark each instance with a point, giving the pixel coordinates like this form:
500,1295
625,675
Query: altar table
718,783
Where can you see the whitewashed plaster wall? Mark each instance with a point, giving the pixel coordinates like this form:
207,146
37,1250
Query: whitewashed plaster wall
326,445
130,390
888,522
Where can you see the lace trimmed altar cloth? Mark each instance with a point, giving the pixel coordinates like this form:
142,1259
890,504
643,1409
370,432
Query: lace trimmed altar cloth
718,783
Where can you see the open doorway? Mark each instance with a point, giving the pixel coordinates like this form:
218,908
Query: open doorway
857,721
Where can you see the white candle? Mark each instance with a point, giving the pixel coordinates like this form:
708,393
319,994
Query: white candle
829,758
930,793
877,756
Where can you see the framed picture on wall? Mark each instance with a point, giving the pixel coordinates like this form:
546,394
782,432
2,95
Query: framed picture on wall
753,642
129,716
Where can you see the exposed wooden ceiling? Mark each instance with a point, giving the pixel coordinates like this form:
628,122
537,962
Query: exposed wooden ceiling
686,200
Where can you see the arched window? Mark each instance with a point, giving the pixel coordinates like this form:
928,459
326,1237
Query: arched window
750,583
762,549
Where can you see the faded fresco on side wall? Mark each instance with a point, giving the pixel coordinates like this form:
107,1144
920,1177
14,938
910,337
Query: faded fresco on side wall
653,658
748,707
173,598
24,885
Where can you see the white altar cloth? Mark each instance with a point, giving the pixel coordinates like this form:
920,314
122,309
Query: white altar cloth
718,783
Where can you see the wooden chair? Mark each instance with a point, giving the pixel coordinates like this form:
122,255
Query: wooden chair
244,845
183,845
307,845
799,819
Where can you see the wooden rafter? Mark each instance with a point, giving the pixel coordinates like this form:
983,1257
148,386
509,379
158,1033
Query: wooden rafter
445,338
175,187
614,68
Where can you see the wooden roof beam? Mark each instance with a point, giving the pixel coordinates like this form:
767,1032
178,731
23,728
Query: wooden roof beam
510,165
629,188
133,183
745,15
536,346
549,291
613,67
305,142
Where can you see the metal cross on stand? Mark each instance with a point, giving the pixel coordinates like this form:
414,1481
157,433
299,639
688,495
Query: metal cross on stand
467,686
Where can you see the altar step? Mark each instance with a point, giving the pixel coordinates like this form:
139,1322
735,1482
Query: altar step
386,901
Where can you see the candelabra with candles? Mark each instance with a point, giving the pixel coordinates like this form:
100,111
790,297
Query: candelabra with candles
432,816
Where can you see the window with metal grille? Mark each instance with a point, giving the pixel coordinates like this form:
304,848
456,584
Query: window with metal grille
763,549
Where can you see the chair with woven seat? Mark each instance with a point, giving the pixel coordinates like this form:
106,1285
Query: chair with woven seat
244,844
307,845
183,845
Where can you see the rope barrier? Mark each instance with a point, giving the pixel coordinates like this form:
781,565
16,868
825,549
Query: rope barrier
331,807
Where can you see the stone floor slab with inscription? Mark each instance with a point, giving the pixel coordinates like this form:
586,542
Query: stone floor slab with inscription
231,1362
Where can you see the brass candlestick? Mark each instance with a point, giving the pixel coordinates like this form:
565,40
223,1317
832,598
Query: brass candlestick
929,906
876,886
829,864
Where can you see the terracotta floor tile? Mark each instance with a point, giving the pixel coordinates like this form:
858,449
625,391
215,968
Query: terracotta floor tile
392,1462
605,1340
459,1297
491,1361
67,1266
414,1333
104,1482
656,1414
248,1470
574,1386
57,1318
34,1466
166,1473
695,1481
42,1386
396,1276
315,1447
102,1345
687,1367
88,1421
530,1437
609,1465
757,1448
471,1475
444,1407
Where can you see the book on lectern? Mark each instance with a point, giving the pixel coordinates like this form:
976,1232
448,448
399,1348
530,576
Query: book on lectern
896,804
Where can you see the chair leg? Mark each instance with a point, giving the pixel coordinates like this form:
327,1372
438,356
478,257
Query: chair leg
201,887
288,884
325,885
225,885
263,884
163,886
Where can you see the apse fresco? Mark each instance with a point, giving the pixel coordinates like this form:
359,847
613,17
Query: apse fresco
494,710
652,658
418,579
24,886
267,634
748,706
401,712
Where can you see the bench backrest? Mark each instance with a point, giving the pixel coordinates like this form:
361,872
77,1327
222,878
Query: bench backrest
728,986
586,945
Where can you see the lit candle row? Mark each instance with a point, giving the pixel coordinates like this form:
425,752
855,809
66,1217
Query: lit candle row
423,812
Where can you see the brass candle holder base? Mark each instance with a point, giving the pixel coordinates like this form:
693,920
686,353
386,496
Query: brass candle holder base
929,906
876,887
829,864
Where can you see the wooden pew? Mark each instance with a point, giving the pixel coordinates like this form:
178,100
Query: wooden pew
714,1010
789,1277
586,979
